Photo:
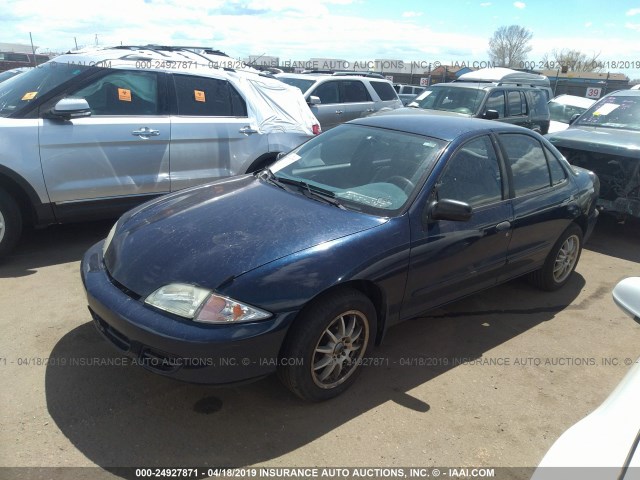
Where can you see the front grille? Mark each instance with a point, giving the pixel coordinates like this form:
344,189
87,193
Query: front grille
118,339
159,361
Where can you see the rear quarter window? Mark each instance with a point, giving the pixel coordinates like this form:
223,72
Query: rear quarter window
384,90
539,107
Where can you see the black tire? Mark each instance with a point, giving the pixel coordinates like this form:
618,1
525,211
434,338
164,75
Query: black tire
351,319
10,223
561,261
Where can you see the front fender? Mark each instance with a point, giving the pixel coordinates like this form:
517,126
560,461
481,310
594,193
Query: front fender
379,255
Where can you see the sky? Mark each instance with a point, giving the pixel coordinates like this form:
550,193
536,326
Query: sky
448,32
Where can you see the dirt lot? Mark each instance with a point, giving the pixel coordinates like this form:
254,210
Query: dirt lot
491,380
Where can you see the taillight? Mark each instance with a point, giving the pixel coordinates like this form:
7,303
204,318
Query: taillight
316,129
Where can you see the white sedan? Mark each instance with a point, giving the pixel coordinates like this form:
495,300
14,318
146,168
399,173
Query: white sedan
563,107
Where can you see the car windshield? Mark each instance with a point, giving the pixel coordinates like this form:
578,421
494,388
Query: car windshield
302,83
369,169
561,112
450,99
18,91
617,111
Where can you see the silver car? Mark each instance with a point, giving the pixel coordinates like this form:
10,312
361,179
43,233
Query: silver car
91,134
337,98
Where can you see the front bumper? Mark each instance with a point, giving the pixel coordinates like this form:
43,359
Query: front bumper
182,349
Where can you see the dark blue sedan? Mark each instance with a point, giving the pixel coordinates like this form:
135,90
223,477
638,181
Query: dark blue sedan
302,267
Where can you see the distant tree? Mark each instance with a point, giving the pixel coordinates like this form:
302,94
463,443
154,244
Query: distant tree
572,60
509,45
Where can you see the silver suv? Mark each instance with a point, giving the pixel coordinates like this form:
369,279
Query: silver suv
340,97
91,134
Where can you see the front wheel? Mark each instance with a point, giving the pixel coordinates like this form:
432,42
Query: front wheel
561,261
324,350
10,223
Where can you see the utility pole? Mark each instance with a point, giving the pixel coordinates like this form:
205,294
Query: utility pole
33,50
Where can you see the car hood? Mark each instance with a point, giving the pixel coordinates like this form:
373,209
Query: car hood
211,234
598,139
555,126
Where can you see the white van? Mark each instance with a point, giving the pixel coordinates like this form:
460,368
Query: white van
503,76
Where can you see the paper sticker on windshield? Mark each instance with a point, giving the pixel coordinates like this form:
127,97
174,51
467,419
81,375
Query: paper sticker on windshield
124,95
29,95
606,109
199,96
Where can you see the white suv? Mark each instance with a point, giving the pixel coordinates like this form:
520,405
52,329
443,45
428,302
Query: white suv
342,96
91,134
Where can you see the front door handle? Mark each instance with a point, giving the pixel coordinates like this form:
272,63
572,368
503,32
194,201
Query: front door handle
145,132
338,112
247,130
502,226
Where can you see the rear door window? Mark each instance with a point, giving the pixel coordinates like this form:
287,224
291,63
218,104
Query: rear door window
528,163
354,91
517,104
384,90
208,97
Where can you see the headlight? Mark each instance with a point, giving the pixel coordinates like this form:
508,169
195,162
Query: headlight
107,241
202,305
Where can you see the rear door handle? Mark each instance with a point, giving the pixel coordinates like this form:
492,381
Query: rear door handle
145,132
247,130
370,110
338,112
502,226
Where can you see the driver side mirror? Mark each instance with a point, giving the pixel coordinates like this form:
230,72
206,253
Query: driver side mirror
574,118
69,108
447,209
313,100
491,115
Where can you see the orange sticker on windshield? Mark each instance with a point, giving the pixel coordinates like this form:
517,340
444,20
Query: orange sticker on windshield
124,95
199,95
29,95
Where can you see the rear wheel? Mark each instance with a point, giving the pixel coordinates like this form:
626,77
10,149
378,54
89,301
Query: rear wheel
561,261
10,223
324,351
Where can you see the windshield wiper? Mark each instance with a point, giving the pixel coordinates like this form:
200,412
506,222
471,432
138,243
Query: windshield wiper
269,176
313,191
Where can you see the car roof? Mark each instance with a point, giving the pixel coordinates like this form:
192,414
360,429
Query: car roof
624,93
482,86
573,101
321,76
193,60
443,127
